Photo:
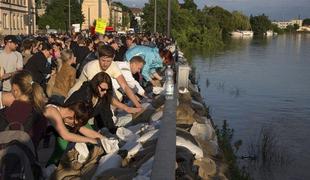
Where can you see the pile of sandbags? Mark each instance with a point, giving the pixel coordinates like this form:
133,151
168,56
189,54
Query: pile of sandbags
198,153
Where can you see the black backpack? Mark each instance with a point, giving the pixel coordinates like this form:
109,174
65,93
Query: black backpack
18,158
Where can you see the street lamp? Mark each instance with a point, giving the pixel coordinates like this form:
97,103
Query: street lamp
155,16
69,14
169,19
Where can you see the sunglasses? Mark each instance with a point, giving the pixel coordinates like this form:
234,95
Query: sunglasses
103,89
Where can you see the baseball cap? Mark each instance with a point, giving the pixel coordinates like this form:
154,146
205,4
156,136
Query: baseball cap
11,38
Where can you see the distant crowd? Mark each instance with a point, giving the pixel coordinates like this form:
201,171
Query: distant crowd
71,86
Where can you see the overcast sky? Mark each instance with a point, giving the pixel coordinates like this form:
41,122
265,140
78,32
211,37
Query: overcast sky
275,9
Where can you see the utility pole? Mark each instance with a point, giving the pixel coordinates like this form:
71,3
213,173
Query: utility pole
169,19
155,16
99,8
29,17
69,20
88,17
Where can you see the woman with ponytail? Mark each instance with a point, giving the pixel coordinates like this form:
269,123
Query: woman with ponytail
26,109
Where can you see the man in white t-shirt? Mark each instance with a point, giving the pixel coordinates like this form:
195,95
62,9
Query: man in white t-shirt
128,69
10,60
105,63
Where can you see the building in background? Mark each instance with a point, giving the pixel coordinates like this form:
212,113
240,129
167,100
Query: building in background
41,7
284,24
17,17
90,11
137,13
116,17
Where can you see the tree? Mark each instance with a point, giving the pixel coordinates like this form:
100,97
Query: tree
306,22
292,28
260,24
56,15
224,18
241,22
189,5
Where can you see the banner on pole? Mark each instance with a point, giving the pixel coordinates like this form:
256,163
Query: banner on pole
100,26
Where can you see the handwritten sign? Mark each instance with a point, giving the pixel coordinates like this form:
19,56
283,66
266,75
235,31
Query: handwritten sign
100,26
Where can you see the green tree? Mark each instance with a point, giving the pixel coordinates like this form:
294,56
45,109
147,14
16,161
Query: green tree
224,18
276,29
260,24
306,22
292,28
241,22
189,5
56,15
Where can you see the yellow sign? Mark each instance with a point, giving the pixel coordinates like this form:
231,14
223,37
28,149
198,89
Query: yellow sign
100,26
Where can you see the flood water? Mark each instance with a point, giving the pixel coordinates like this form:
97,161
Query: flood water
259,83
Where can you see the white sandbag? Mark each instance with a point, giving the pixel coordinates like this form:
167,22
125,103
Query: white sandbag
133,151
203,131
146,128
125,134
106,162
83,152
197,151
156,116
153,134
145,105
183,90
158,90
146,168
136,128
132,148
110,145
123,120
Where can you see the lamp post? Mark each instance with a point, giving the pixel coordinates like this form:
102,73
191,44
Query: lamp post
169,19
69,18
29,16
33,16
155,15
99,8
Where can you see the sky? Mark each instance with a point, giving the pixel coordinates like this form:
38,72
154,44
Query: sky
275,9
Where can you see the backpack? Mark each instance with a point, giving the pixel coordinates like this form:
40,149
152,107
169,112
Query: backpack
17,155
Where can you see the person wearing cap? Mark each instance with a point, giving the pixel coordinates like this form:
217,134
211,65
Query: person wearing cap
10,61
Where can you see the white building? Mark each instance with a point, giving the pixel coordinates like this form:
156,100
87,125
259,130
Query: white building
284,24
116,17
17,17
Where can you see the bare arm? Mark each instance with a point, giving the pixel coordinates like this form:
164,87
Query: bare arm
124,107
121,81
90,133
7,98
54,116
157,76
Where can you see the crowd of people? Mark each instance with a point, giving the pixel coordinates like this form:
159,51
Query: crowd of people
72,85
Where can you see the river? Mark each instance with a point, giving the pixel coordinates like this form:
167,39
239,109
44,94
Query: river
257,83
